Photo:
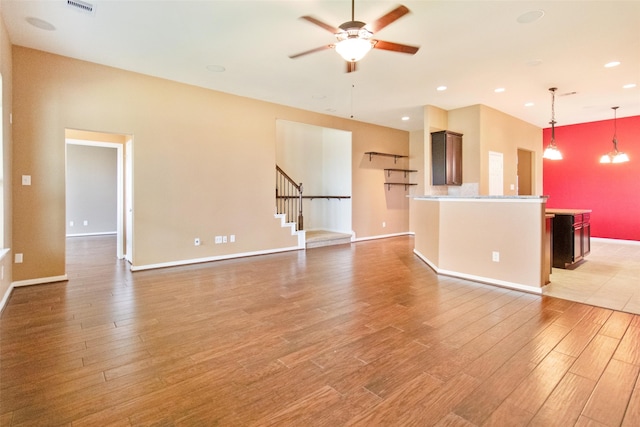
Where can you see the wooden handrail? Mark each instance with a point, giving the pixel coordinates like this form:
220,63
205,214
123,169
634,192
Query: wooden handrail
288,209
283,173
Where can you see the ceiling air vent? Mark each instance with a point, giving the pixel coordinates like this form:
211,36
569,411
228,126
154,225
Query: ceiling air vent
82,6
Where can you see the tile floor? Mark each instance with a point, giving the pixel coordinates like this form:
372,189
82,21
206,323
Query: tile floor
609,277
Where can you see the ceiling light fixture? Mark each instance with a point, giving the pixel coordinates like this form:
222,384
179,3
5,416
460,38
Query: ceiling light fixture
612,64
552,152
354,41
629,86
614,156
441,88
40,23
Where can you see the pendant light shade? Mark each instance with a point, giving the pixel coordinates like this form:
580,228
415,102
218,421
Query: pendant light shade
614,156
552,152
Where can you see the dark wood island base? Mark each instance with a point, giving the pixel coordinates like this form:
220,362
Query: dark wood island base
571,236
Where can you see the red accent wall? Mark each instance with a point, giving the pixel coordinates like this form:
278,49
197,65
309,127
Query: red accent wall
611,191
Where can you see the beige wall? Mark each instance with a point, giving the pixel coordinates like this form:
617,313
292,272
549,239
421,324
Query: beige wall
203,163
458,237
7,143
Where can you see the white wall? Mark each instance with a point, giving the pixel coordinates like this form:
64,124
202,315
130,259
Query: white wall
320,158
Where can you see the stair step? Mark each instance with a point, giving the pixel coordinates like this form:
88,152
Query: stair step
320,238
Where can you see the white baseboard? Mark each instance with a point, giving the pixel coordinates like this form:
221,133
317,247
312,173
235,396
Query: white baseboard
485,280
383,236
213,258
102,233
30,282
619,241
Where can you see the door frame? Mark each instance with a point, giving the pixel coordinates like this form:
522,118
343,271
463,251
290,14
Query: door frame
120,174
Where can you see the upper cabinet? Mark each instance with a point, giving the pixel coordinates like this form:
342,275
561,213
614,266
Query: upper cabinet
446,158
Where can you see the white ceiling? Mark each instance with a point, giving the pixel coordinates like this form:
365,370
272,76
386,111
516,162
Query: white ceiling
472,47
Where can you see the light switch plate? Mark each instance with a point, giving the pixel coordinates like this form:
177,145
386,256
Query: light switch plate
26,179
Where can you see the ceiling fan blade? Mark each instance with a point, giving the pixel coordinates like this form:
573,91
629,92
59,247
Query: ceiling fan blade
317,49
387,19
351,66
330,28
396,47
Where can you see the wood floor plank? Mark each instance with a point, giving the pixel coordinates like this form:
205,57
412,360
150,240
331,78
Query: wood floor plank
565,403
632,414
629,350
612,393
595,357
360,334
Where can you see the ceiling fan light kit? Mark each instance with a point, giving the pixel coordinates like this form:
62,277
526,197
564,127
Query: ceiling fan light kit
354,41
354,38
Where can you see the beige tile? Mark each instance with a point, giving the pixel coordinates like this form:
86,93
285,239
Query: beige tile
609,277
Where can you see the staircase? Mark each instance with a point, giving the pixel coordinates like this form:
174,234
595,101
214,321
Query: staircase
289,208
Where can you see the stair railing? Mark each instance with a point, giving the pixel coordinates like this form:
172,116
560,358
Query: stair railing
289,198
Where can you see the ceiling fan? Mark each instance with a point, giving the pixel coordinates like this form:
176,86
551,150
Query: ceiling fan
354,38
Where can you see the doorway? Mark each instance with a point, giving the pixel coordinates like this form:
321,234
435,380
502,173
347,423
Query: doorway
525,172
98,187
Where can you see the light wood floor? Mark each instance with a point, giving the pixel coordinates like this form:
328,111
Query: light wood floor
362,334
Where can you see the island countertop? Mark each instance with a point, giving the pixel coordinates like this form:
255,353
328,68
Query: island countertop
567,211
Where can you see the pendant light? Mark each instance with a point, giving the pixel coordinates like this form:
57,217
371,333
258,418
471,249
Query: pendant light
614,156
552,152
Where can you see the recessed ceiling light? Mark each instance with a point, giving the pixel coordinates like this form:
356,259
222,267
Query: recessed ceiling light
629,86
612,64
530,17
529,104
441,88
405,118
499,90
216,68
40,23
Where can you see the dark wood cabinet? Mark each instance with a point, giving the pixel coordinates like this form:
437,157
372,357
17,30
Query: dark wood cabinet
446,158
571,236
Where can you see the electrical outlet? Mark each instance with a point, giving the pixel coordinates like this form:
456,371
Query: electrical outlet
232,238
18,259
196,241
495,256
224,239
70,223
85,222
26,179
384,224
218,239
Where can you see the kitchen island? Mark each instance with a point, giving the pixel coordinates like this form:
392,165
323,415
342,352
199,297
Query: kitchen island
571,236
500,240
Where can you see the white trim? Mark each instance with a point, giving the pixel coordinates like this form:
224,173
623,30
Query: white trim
496,199
103,233
383,236
213,258
620,241
39,281
486,280
3,253
30,282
